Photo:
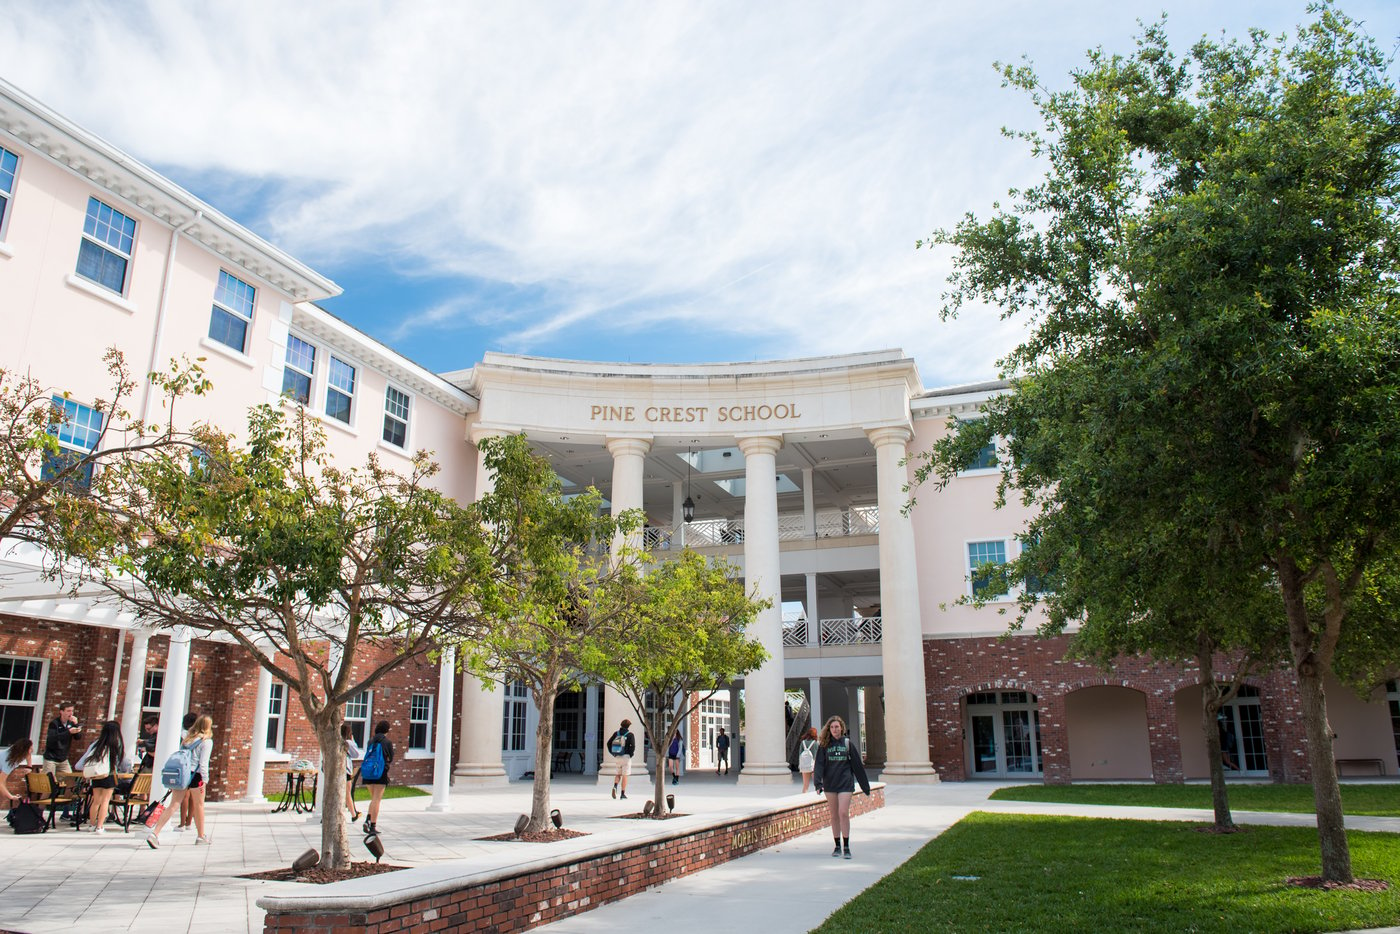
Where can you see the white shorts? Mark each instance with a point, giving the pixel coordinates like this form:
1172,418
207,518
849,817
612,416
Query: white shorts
624,765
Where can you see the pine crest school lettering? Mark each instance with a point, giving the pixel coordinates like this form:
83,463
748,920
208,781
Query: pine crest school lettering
691,414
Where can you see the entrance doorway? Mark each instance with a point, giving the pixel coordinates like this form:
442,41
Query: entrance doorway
1003,734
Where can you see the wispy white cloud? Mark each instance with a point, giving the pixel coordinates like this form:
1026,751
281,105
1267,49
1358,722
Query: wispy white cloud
761,168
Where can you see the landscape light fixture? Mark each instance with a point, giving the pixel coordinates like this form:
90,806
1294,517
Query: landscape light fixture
308,860
557,818
670,802
375,847
687,507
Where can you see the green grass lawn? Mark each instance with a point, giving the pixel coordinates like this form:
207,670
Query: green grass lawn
362,793
1373,800
1065,874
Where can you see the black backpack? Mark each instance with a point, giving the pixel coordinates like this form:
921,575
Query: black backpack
25,817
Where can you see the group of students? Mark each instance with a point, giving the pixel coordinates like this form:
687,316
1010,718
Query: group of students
829,761
373,772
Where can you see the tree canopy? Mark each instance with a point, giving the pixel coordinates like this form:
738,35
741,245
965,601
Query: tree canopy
1204,405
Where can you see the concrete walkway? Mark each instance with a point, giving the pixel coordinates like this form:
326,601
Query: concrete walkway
62,880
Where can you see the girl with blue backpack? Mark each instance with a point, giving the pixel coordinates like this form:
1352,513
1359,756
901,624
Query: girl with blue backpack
374,773
185,774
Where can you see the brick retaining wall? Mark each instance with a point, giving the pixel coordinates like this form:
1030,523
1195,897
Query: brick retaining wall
517,899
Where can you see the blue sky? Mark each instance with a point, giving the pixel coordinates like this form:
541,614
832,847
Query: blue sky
641,182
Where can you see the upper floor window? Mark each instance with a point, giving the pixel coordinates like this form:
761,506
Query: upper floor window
301,364
982,553
395,417
152,690
105,252
78,429
9,165
232,313
340,389
986,458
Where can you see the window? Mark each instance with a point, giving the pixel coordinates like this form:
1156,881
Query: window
105,251
986,458
21,682
340,389
301,363
1037,577
1393,695
513,728
357,711
9,165
420,722
276,715
78,431
985,553
1241,723
1003,733
395,417
152,689
232,313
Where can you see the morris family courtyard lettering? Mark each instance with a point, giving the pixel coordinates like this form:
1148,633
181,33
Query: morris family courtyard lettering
690,414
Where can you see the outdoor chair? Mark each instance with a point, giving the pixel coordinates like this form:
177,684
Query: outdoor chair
133,801
43,791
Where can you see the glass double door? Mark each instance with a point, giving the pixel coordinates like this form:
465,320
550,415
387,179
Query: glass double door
1004,741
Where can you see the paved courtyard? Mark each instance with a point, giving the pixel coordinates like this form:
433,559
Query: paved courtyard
63,881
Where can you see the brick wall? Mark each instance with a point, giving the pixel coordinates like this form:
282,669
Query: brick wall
561,888
955,668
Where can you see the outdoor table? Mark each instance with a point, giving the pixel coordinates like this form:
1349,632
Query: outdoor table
295,798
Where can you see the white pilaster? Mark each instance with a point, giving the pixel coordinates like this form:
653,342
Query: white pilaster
591,739
814,613
814,695
257,751
809,509
763,689
442,738
172,698
116,675
902,646
135,684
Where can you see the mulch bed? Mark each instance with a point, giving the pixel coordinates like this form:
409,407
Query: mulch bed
539,836
1357,885
319,876
640,816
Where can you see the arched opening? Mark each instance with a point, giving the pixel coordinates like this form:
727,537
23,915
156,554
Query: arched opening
1107,728
1002,730
1241,726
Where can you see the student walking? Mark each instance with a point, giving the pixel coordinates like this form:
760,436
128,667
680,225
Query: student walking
673,758
352,752
722,751
18,755
374,773
807,758
194,752
838,769
622,745
102,761
187,803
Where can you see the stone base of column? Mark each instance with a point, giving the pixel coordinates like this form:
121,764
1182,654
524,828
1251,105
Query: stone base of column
440,808
767,773
252,799
478,774
909,773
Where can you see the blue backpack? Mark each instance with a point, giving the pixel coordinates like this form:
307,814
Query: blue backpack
372,769
178,770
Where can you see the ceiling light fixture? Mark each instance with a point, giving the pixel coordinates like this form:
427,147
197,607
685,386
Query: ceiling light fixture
687,507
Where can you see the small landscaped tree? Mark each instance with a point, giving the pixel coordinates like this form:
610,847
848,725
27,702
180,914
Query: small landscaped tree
557,609
302,563
684,638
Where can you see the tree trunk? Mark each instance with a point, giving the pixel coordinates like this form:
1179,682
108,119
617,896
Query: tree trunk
1327,793
1210,710
544,754
335,842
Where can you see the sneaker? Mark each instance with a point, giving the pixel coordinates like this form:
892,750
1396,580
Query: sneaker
178,828
99,830
153,842
203,840
847,853
623,796
836,851
614,791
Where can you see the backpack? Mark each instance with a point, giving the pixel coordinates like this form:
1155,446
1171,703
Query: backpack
372,769
26,817
807,761
617,746
178,771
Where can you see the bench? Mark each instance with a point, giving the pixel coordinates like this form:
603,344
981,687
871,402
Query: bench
1376,764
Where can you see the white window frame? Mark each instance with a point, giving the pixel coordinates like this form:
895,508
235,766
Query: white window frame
995,445
997,711
514,716
1231,710
37,724
406,419
310,374
277,693
367,720
107,247
72,424
146,690
425,751
1392,696
228,308
331,360
969,567
7,195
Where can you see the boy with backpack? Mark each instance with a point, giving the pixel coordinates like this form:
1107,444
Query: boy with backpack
622,745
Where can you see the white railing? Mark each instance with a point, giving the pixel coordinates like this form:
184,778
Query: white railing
858,520
795,633
704,533
860,630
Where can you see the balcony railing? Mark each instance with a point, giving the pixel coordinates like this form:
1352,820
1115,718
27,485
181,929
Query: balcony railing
861,630
702,533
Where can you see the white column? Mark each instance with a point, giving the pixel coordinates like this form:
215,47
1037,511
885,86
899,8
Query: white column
591,739
172,698
853,728
116,675
814,694
257,750
814,613
763,689
629,469
135,684
735,729
480,762
442,738
809,509
902,645
677,515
